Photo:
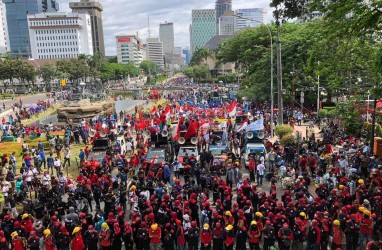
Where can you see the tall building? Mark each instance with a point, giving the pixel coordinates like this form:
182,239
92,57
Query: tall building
129,50
187,55
166,36
221,7
60,35
155,51
203,27
227,24
16,12
94,9
3,30
251,18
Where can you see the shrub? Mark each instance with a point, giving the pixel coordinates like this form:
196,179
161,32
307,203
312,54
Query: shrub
283,130
289,138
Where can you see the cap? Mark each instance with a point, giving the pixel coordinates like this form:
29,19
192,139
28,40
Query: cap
228,213
46,232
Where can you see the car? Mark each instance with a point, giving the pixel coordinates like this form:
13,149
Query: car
101,144
187,150
158,155
253,148
97,155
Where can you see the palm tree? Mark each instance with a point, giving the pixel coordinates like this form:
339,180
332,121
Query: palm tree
201,55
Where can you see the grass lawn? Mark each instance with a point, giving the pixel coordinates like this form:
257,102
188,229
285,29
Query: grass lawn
10,147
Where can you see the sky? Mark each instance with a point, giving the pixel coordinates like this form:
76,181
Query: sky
131,16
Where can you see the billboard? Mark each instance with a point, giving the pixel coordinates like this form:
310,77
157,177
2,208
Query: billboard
124,39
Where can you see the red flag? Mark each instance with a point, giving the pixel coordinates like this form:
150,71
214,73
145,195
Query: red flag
192,130
178,129
153,161
232,108
153,110
379,104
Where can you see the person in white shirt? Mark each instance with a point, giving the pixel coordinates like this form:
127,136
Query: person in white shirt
260,173
28,175
57,165
45,179
129,148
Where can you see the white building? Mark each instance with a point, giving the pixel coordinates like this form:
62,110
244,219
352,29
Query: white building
3,29
155,51
129,50
166,36
59,35
227,24
251,18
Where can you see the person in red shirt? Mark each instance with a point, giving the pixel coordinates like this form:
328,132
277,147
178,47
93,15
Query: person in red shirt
229,237
254,236
87,152
77,241
19,243
49,240
366,228
105,236
312,162
285,235
155,234
337,235
205,237
251,168
27,223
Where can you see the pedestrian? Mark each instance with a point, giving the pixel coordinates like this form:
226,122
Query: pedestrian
260,172
66,157
229,237
205,237
155,235
337,235
77,241
105,237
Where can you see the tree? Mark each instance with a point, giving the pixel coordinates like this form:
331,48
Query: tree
200,55
149,67
351,17
47,72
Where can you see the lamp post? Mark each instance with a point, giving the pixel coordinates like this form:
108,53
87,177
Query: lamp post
271,45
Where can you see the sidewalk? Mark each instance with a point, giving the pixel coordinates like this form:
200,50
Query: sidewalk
303,129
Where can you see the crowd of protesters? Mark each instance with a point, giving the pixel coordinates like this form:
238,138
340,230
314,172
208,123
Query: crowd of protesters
321,194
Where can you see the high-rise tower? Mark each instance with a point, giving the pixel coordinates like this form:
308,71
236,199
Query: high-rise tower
221,7
94,9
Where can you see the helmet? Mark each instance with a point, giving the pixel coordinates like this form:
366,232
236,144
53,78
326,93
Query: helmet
14,234
302,214
206,226
105,225
253,223
259,214
46,232
76,230
25,216
229,227
341,186
367,212
336,222
228,213
154,226
361,182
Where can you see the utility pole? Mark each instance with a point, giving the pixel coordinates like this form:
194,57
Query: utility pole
279,77
318,91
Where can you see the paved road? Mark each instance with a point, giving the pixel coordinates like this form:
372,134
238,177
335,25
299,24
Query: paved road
26,100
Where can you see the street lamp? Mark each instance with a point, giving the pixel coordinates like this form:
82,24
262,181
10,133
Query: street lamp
271,40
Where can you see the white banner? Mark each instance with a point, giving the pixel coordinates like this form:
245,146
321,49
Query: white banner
256,125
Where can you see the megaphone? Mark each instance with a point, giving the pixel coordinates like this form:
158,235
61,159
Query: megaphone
164,133
103,133
181,140
146,133
194,140
260,135
92,133
249,135
250,117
